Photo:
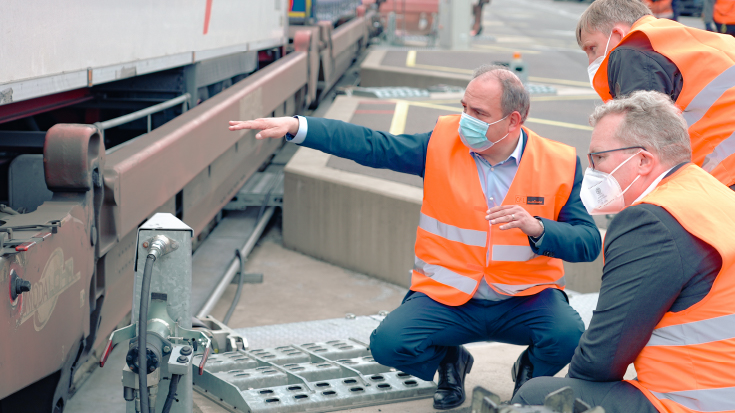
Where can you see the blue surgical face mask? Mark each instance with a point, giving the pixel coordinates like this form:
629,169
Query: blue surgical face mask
473,133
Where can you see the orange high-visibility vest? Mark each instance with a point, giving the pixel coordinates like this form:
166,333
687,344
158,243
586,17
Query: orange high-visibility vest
706,61
456,246
660,8
724,12
688,364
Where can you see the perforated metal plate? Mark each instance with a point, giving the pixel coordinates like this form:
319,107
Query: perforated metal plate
316,376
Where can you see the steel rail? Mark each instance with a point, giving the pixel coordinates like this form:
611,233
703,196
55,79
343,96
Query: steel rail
235,264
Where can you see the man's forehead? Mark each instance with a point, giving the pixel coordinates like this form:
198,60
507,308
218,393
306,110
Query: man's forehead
604,135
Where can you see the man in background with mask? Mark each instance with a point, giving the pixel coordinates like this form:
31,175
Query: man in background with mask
666,300
501,210
630,50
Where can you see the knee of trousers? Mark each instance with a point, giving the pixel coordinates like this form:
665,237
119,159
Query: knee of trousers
560,340
387,350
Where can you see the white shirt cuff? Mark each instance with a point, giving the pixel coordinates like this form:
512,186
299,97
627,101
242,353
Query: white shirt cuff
537,244
301,134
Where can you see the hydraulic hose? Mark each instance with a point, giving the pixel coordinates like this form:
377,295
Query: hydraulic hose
171,393
145,295
240,283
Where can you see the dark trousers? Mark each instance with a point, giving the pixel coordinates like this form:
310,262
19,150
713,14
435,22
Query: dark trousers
417,335
613,396
725,29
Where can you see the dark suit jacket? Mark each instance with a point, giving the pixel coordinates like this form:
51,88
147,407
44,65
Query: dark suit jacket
574,237
652,265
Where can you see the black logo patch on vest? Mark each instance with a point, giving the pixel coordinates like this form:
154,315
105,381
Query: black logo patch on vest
534,200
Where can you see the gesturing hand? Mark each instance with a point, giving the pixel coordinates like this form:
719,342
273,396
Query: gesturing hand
268,127
514,216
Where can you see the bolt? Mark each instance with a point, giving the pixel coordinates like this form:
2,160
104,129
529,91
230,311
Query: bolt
186,350
145,244
166,349
182,359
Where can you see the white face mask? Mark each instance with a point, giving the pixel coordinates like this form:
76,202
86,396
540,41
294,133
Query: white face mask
595,65
601,193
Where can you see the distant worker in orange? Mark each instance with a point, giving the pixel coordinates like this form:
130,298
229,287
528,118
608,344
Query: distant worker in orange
719,16
661,9
630,50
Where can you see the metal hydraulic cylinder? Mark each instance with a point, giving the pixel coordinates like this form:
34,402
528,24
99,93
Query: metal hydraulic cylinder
171,276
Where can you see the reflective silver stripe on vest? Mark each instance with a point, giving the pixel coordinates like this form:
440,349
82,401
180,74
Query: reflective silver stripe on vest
707,400
452,233
709,95
442,275
698,332
719,153
515,289
512,253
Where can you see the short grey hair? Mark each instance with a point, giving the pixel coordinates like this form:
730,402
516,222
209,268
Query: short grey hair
515,97
602,15
651,120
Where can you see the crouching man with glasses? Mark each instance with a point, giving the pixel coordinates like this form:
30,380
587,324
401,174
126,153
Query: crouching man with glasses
666,301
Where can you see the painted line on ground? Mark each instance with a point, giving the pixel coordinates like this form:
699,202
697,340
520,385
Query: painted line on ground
411,62
398,123
559,81
458,110
504,49
549,98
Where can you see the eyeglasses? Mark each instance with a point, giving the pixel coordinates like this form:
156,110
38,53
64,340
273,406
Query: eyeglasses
591,154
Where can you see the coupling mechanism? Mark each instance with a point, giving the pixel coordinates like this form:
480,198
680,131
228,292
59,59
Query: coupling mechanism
160,245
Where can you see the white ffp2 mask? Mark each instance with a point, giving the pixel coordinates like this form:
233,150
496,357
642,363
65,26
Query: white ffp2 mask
601,193
595,65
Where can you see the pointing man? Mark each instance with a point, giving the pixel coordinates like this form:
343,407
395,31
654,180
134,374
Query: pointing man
475,280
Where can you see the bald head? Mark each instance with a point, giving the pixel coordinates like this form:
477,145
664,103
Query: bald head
514,96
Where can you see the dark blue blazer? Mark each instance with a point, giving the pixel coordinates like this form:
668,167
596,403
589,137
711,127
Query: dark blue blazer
573,238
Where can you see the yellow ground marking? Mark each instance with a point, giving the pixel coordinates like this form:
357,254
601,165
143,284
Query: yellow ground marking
504,49
533,99
559,81
411,58
455,109
411,62
398,123
567,97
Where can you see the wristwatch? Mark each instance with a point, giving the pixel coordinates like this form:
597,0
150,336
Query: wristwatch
543,230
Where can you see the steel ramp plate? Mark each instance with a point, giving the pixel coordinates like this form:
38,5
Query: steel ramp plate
357,328
315,377
262,188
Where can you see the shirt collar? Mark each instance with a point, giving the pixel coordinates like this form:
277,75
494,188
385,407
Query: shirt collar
653,186
515,155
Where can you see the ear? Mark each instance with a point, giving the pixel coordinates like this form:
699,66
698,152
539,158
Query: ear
647,163
619,31
514,121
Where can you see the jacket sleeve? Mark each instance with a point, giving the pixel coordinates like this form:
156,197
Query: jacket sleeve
630,69
400,153
642,277
574,237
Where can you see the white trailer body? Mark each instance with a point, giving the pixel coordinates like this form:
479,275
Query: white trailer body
48,47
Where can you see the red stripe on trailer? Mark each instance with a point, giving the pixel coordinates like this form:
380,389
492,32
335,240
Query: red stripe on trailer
207,15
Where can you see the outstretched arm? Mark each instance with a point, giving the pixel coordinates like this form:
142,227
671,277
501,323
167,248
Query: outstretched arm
376,149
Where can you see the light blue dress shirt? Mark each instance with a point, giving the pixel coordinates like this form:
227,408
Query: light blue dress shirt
495,180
